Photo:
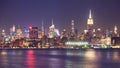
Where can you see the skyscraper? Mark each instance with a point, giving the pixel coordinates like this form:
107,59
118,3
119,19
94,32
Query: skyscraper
90,22
19,33
116,33
3,33
33,32
90,31
115,29
72,28
51,30
12,32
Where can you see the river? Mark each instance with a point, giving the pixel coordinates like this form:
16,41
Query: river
60,58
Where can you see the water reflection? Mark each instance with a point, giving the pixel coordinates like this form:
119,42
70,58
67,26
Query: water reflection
30,59
55,62
116,56
74,53
3,58
68,64
3,52
89,58
108,55
90,54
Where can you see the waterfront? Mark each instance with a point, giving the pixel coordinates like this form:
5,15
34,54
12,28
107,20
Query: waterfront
60,58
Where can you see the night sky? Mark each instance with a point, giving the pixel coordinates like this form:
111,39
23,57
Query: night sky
106,13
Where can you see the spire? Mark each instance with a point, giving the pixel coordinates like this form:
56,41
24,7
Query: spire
90,21
52,21
90,16
42,23
52,26
115,29
42,26
13,28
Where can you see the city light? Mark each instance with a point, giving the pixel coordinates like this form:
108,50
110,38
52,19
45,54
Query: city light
76,43
30,27
38,37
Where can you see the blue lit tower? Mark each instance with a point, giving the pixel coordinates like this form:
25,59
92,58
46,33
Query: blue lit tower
12,32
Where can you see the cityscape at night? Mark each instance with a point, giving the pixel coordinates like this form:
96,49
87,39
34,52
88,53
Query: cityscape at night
91,37
59,33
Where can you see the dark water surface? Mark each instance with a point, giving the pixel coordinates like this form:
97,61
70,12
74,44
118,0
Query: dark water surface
58,58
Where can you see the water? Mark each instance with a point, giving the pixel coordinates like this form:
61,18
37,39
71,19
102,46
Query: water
56,58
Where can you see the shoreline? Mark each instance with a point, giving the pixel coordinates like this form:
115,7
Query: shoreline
56,48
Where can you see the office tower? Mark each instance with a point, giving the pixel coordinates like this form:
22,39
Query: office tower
90,22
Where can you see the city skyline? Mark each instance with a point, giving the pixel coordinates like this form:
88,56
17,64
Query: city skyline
59,33
26,13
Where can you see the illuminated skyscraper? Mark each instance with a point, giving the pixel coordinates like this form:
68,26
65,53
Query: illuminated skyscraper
72,28
33,32
12,30
90,22
3,33
90,30
18,32
115,29
51,30
116,34
26,33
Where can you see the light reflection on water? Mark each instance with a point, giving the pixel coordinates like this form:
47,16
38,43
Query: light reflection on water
30,59
3,58
90,55
87,58
116,56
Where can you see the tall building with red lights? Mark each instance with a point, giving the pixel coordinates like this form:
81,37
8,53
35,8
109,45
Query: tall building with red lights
33,32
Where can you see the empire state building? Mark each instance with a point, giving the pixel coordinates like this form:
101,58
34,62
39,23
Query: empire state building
90,22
